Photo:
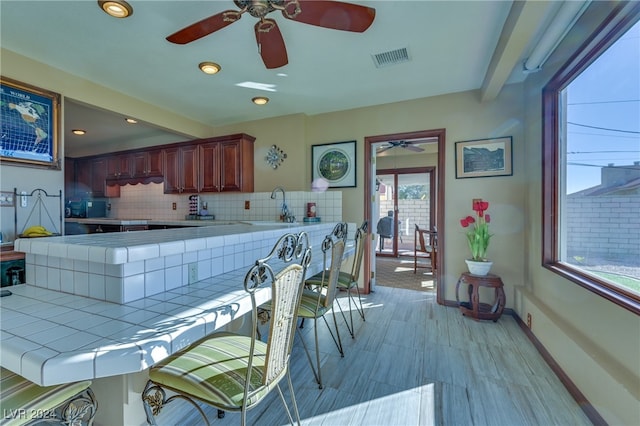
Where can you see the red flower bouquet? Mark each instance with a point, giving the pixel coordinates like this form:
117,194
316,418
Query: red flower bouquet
478,236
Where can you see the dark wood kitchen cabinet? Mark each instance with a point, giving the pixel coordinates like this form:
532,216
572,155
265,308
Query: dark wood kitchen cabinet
181,169
209,163
69,177
118,166
226,164
220,164
91,175
146,163
134,167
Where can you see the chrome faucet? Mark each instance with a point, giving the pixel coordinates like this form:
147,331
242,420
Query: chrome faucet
285,214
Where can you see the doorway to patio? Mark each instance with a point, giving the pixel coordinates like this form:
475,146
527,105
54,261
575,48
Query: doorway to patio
407,199
431,157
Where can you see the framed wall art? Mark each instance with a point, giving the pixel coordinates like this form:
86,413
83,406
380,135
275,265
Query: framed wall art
29,124
484,158
335,163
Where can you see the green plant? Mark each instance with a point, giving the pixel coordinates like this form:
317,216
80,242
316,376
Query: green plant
478,236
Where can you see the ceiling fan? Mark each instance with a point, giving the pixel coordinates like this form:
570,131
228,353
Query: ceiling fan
322,13
401,144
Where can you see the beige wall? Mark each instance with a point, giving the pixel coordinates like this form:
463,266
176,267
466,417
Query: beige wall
594,341
461,114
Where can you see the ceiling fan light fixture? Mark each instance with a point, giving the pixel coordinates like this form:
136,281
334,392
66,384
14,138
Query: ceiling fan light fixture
260,100
116,8
79,132
209,67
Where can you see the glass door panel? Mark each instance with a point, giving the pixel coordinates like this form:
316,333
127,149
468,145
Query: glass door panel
406,200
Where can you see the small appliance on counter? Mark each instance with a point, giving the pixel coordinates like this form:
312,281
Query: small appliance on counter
86,208
204,211
194,204
95,208
197,211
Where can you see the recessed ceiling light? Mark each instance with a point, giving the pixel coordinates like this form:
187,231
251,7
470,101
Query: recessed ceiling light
209,67
79,132
116,8
260,100
131,120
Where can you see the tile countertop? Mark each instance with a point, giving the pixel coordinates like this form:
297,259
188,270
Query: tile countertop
173,222
123,247
125,266
52,337
161,222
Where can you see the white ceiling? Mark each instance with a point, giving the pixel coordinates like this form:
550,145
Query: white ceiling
451,45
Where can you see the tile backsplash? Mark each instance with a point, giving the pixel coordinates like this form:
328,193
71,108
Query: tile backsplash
150,202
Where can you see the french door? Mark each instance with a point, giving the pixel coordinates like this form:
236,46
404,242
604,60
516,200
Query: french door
407,199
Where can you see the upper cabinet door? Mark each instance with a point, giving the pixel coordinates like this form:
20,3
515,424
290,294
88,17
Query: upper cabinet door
154,163
146,163
189,164
226,164
171,181
69,177
209,172
181,170
237,164
118,166
231,166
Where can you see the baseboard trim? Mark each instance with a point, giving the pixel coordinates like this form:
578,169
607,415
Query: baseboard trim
573,390
577,395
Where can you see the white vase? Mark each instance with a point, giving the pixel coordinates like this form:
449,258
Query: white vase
479,268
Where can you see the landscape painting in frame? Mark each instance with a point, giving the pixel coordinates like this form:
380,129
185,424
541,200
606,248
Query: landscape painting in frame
335,163
29,123
484,158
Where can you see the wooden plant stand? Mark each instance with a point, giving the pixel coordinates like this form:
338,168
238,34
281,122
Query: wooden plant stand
473,308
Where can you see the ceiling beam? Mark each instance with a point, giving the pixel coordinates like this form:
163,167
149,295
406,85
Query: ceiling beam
522,24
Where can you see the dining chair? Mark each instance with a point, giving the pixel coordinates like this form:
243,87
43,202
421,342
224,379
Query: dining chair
348,280
424,249
318,298
234,372
340,231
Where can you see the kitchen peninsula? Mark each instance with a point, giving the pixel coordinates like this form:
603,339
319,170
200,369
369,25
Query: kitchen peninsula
106,307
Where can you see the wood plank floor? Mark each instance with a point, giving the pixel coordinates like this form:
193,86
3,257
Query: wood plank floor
414,362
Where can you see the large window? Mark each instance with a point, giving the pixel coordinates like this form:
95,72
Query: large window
592,163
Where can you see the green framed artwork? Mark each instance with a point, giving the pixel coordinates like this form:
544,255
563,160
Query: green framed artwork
29,124
335,163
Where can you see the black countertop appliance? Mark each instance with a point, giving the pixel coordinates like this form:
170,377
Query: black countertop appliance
86,208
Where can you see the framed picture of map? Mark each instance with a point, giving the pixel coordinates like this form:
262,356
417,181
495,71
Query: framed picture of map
335,164
29,125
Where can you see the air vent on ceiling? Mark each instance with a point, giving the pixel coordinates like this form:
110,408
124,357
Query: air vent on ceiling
392,57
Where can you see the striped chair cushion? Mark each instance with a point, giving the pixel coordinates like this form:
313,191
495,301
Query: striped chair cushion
344,280
214,369
308,304
18,393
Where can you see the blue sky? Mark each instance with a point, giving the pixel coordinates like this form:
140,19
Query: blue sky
603,113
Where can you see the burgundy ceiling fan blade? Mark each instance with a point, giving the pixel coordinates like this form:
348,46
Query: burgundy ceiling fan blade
205,27
330,14
383,149
271,44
